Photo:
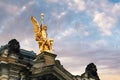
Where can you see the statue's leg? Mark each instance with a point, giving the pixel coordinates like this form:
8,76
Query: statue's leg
48,44
44,45
40,46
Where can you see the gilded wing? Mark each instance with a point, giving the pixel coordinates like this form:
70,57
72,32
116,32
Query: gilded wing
35,24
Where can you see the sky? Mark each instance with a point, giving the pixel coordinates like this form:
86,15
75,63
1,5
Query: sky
84,31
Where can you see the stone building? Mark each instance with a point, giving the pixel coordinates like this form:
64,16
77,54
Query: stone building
20,64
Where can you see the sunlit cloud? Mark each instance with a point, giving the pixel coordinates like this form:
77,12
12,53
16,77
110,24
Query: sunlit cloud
104,22
77,5
62,14
116,9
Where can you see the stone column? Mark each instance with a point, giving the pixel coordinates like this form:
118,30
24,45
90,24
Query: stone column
4,71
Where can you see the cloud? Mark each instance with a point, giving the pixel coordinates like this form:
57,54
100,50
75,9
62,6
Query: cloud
107,64
15,24
80,67
68,32
104,22
52,1
26,6
59,15
62,15
100,43
1,29
116,9
86,33
77,5
26,44
11,9
65,33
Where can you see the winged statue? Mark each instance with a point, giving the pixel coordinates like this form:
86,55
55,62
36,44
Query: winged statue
40,31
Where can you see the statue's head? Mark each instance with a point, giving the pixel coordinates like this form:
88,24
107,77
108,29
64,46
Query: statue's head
45,27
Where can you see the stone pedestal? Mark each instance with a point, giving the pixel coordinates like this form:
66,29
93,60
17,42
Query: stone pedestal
43,60
47,58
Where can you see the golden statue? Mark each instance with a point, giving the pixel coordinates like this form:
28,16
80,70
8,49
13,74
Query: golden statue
40,31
